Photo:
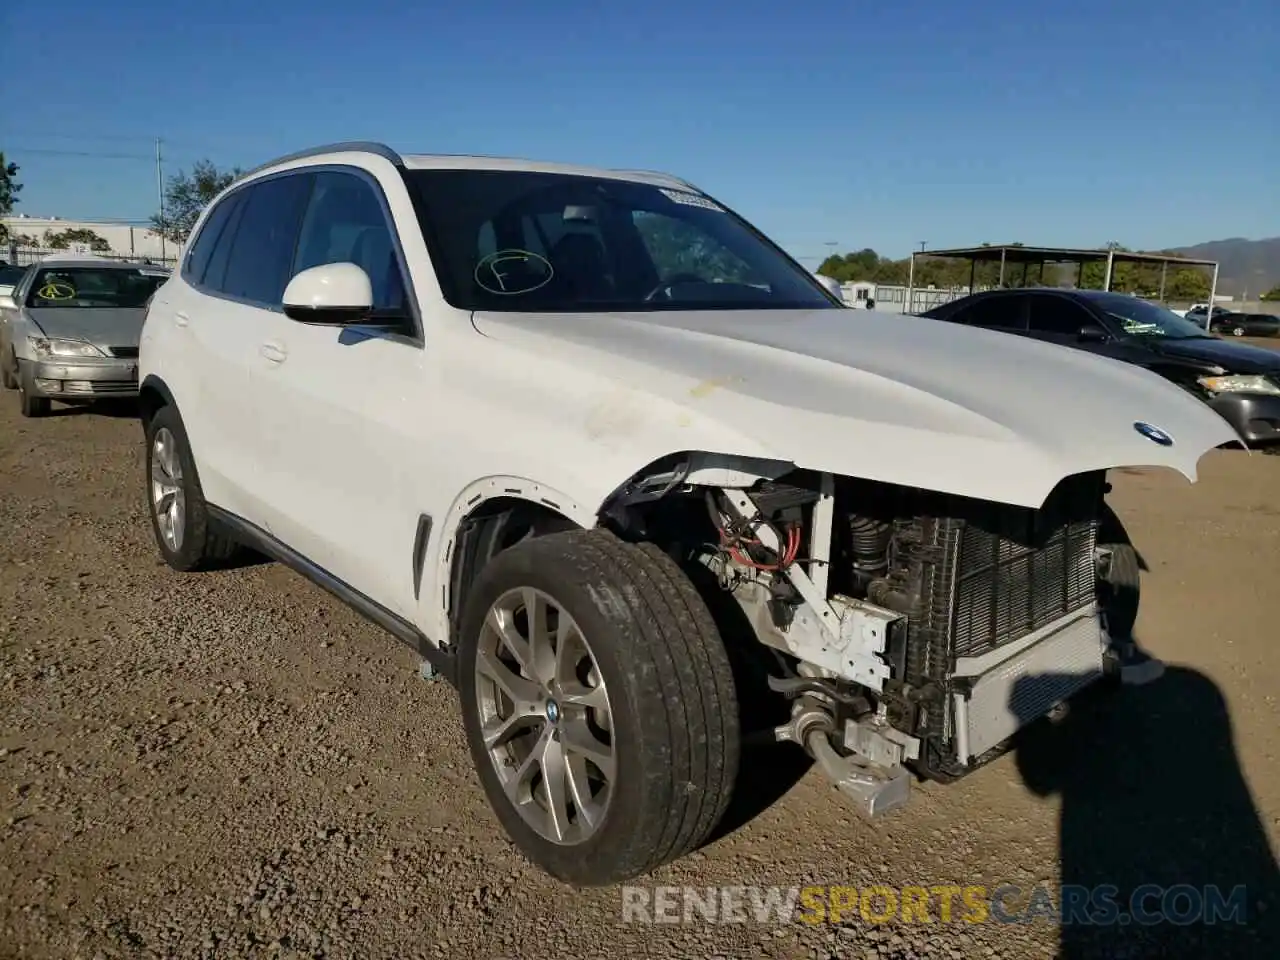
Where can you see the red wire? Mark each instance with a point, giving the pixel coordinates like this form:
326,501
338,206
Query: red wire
787,551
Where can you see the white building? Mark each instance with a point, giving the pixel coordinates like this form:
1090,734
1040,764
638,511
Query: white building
126,239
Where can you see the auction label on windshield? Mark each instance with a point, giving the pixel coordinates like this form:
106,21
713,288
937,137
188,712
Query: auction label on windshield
691,200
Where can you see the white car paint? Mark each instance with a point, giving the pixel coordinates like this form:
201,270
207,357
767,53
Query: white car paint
903,400
338,448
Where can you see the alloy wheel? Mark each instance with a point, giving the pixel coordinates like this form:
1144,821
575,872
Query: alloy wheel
545,716
168,499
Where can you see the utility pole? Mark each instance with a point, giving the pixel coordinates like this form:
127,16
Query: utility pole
160,194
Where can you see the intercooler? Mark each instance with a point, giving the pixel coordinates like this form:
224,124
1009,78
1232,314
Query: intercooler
987,581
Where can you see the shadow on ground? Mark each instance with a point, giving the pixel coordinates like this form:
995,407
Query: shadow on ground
1154,803
121,409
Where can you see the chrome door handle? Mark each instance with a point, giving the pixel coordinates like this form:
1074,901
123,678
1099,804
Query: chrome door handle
274,352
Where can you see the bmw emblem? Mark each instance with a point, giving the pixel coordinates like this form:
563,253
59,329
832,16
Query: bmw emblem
1154,434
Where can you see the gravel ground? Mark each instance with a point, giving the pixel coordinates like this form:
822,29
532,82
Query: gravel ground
235,765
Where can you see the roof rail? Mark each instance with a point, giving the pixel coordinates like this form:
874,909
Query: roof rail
661,173
349,146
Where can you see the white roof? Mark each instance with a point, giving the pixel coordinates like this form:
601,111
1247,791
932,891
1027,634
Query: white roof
424,161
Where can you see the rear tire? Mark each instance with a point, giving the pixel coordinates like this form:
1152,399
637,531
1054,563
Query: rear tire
175,501
645,672
1237,331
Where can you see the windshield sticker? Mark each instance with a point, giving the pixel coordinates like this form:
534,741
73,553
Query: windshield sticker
511,272
56,290
691,200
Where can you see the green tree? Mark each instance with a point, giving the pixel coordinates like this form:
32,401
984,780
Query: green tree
76,235
1272,294
186,195
9,190
1187,285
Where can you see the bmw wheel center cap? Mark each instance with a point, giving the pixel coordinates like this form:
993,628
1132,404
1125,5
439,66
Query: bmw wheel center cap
1153,433
553,712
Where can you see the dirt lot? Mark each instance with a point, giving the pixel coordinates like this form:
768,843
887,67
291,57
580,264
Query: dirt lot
233,764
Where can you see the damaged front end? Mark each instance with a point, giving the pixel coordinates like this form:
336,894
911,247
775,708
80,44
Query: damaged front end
914,632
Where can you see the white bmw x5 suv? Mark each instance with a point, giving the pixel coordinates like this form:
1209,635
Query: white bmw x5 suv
608,459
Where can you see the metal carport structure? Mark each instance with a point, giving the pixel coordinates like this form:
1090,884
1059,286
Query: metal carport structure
1016,254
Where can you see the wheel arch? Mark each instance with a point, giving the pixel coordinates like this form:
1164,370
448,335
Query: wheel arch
490,515
496,512
153,393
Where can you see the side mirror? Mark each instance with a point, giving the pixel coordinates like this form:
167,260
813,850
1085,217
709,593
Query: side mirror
1091,334
332,294
832,286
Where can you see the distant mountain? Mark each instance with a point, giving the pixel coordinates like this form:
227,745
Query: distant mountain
1244,266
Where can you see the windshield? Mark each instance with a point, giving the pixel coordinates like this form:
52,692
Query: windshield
10,274
522,241
1140,318
72,287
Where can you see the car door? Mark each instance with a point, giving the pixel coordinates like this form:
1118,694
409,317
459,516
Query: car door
239,284
348,407
201,344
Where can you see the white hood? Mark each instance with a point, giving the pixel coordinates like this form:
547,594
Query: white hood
898,399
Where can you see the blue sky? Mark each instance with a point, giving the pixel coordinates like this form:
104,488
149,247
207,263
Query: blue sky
867,124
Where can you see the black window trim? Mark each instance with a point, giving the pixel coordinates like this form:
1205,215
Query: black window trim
417,338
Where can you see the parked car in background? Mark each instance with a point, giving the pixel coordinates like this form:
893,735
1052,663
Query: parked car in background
1203,315
539,421
10,274
1239,381
71,329
1246,324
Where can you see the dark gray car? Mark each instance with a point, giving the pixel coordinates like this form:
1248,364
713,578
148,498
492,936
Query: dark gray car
70,330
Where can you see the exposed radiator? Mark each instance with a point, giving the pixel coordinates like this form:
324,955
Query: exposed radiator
993,573
983,576
1027,685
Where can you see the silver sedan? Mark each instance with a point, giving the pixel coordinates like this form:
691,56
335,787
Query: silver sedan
69,331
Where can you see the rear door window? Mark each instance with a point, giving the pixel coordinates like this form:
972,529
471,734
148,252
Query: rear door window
1057,317
999,313
263,249
201,251
215,273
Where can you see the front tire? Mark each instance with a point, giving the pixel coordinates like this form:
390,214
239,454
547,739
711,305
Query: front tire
179,513
7,379
1121,580
599,705
30,405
